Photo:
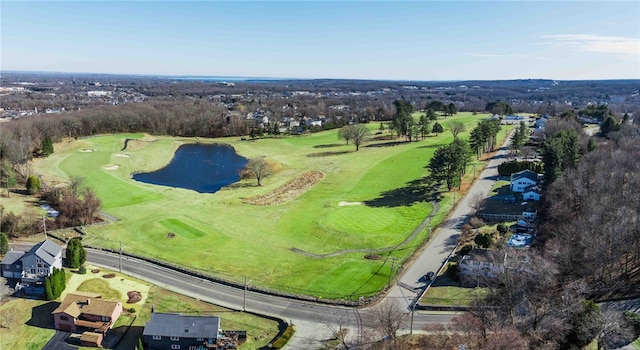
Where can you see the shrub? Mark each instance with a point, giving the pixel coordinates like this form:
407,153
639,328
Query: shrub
33,184
82,270
132,310
453,271
484,240
4,243
465,249
476,222
633,319
284,338
502,228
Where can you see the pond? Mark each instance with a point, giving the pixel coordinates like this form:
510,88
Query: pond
199,167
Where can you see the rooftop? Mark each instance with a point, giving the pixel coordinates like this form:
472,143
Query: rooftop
177,325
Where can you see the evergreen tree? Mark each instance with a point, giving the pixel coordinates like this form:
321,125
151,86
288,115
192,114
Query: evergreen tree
449,162
48,292
47,146
431,115
609,124
437,128
33,184
560,152
403,119
76,255
4,243
591,145
7,175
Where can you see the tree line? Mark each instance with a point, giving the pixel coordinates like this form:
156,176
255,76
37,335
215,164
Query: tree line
587,250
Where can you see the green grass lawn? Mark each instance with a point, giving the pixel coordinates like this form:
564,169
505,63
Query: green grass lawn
260,330
30,321
220,235
636,343
100,286
446,295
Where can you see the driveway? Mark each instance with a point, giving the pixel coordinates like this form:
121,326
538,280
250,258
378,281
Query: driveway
57,342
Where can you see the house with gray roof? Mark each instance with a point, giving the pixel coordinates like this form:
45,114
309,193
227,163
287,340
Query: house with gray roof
11,265
523,179
34,265
167,331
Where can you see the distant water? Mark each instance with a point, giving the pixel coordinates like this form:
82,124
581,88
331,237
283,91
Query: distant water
198,167
223,79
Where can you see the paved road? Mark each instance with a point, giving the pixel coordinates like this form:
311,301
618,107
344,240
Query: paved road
310,318
444,239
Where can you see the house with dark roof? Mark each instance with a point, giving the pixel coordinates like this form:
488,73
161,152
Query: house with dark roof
89,313
11,264
523,179
167,331
32,266
531,193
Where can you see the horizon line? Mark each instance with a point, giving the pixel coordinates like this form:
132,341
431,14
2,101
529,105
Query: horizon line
251,78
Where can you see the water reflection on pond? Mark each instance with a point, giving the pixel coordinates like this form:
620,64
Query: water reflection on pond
198,167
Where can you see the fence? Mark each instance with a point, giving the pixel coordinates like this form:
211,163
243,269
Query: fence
499,217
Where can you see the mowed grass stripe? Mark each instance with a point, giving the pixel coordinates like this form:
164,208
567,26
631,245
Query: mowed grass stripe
234,239
181,228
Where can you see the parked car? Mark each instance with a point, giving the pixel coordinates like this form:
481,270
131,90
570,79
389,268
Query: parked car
429,276
510,199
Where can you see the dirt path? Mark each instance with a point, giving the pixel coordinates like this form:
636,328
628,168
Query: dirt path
413,235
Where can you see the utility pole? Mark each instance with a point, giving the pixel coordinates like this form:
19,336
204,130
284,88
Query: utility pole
393,262
244,296
44,226
120,256
413,309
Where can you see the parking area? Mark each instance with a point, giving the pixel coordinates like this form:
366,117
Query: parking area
58,342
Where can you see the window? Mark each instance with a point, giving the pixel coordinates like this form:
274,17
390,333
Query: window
175,346
175,338
200,339
157,337
64,318
105,318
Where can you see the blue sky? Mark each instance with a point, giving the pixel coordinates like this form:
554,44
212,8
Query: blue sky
418,40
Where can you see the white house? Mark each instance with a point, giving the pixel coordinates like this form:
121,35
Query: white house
523,179
531,193
481,264
529,214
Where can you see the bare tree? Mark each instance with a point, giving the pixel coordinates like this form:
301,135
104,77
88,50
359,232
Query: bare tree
476,202
260,168
455,127
387,318
360,135
5,290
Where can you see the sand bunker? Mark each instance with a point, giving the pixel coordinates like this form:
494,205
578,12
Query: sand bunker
111,167
122,155
87,150
343,203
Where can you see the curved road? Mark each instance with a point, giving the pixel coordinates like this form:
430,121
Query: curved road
312,319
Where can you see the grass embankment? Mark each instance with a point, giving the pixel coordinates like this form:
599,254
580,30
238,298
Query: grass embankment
447,295
215,233
31,322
